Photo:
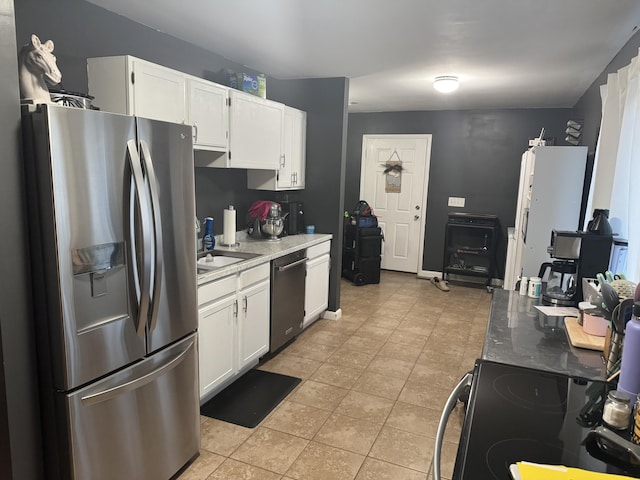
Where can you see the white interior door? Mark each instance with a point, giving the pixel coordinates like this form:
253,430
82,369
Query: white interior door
398,202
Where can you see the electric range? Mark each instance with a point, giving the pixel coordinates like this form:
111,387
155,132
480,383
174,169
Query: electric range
521,414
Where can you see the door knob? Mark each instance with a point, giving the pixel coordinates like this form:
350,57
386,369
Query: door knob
417,207
416,217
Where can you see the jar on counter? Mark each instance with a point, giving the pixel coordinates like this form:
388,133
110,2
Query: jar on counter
535,287
617,410
584,307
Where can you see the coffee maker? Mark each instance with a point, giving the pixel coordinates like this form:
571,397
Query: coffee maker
294,222
577,255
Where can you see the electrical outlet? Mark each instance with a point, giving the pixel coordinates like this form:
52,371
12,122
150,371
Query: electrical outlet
456,202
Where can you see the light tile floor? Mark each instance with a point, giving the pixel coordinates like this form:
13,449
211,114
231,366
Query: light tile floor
374,384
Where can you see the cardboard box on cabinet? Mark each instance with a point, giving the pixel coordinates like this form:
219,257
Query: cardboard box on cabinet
255,84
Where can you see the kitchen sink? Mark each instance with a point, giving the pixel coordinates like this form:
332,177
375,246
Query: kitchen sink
209,261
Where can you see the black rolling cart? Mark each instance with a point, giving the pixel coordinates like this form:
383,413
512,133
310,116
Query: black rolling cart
361,249
470,246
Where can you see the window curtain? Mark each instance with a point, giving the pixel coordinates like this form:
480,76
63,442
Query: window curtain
616,179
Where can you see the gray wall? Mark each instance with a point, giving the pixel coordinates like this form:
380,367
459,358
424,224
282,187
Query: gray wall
325,101
20,443
474,154
80,30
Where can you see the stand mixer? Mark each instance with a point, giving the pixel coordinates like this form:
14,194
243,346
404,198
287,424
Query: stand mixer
268,221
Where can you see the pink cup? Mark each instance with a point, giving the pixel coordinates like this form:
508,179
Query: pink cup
594,325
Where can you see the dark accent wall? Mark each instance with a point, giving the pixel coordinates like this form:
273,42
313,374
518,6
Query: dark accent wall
475,154
325,101
80,30
20,441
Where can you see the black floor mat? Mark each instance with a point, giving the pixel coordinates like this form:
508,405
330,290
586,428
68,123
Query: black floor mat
250,398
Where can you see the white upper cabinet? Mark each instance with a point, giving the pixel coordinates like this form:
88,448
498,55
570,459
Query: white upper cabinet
249,131
208,114
291,172
148,90
255,132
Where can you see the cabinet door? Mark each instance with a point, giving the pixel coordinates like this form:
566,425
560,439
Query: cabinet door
286,172
217,340
254,303
316,296
208,114
290,175
295,147
158,92
255,132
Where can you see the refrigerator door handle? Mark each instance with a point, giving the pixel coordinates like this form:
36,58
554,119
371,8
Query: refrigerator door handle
110,393
139,241
157,234
442,425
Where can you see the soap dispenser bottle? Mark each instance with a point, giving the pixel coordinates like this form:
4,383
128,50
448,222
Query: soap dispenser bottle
209,240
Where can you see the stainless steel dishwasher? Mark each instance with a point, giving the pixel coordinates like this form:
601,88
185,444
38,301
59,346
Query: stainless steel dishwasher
287,297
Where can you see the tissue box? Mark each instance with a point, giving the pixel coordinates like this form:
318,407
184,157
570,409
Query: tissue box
250,83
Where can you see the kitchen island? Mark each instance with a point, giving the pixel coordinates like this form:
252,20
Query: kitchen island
519,334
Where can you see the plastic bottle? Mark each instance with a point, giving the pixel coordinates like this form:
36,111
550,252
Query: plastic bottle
524,286
630,366
209,240
535,285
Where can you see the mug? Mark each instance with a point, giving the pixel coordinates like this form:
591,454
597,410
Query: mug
311,229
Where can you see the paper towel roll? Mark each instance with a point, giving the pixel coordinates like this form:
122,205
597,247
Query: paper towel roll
229,226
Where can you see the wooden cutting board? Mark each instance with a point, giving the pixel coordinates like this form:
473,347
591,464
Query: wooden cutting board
579,338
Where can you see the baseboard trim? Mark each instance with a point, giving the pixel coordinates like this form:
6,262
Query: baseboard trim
329,315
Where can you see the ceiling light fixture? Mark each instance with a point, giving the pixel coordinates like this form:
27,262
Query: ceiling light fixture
446,83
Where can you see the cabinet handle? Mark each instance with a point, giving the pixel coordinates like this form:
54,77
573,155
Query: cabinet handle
283,160
195,132
235,309
244,304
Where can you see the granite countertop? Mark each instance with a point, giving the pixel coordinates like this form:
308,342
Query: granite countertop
519,334
264,249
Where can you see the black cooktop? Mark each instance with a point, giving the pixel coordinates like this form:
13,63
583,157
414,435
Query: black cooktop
521,414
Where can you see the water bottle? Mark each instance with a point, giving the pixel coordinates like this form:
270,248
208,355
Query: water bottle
630,367
208,241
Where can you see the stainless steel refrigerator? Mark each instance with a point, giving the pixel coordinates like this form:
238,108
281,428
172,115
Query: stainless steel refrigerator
111,209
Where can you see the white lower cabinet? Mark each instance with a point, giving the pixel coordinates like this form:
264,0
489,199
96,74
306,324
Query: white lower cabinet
316,297
254,323
233,330
217,344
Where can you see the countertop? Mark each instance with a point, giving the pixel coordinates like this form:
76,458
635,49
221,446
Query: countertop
265,249
519,334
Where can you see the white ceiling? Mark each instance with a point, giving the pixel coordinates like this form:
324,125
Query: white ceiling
507,53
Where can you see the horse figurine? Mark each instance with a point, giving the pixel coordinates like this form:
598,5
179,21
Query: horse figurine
37,64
